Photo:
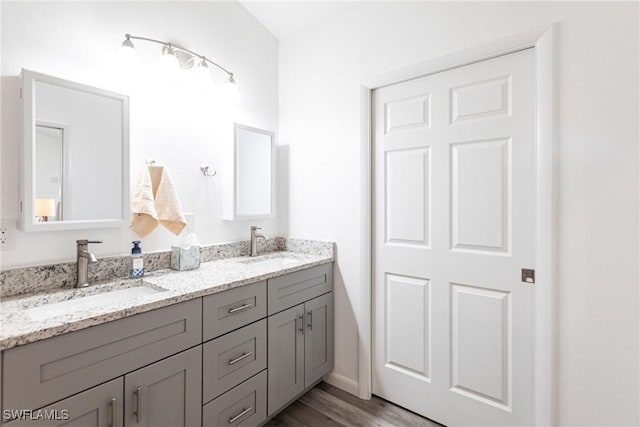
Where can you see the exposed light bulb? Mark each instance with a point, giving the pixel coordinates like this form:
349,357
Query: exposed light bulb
173,59
203,75
128,68
169,62
231,91
128,57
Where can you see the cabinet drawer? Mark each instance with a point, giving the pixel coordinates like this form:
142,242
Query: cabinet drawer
295,288
233,358
232,309
244,405
45,371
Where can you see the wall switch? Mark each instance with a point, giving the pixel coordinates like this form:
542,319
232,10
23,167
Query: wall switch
7,234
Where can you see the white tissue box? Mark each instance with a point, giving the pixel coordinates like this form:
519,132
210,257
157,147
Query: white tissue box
185,259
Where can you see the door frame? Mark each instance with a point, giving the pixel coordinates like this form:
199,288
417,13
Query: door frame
542,40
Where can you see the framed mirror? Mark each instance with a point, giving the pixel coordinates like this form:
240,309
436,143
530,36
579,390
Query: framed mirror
75,155
249,187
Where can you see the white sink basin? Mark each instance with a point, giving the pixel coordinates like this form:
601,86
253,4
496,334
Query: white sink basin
276,261
47,311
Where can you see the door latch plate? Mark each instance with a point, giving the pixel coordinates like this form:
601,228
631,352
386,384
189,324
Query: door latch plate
528,276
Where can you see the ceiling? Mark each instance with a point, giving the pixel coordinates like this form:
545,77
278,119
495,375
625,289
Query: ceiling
286,18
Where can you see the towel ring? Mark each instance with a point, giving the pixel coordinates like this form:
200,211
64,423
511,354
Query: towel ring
205,171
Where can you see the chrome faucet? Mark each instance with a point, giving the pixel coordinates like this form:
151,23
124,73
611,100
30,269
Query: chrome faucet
83,260
254,239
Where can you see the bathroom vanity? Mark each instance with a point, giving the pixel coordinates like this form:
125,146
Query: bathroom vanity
232,344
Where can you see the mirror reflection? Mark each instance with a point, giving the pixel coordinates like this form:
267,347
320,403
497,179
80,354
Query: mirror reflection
76,155
248,191
253,163
49,172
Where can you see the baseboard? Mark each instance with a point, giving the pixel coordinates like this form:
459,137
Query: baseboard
342,382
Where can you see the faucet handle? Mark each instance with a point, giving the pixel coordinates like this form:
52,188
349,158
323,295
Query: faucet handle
255,228
86,242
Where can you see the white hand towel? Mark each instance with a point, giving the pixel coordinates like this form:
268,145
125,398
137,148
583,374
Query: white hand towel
156,200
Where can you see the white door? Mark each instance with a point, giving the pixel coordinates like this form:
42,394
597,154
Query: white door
454,200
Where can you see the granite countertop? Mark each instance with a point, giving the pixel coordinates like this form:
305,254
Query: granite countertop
21,325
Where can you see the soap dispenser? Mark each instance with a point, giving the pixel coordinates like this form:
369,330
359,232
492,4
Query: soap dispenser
136,266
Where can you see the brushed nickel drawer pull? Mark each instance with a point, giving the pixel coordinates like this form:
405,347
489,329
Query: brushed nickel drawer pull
114,412
301,317
310,324
244,356
240,415
138,413
241,308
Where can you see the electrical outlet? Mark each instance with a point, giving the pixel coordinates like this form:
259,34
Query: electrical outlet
191,224
7,234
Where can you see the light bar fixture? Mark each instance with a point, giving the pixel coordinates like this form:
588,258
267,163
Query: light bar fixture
189,59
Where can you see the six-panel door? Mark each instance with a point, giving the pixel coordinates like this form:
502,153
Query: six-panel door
454,224
166,393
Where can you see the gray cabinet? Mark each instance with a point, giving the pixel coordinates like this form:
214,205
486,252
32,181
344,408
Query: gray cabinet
229,360
39,373
286,357
166,393
244,405
100,406
300,349
153,369
318,340
232,309
295,288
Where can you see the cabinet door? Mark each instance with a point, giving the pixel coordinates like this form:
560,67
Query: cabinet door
318,341
286,357
166,393
100,406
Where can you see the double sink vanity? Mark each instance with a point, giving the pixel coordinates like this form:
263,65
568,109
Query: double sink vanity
229,344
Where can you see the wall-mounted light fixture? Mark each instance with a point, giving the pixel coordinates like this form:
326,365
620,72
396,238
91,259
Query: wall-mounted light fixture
174,58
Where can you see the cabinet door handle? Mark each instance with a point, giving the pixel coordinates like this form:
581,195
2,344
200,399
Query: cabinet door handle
138,413
310,324
241,308
244,356
240,415
114,412
301,317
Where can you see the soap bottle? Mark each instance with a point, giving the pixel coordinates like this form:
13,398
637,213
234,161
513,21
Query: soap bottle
136,266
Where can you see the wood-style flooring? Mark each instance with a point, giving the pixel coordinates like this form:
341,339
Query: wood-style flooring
326,405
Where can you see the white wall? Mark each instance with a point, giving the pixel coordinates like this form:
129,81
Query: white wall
596,183
177,124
